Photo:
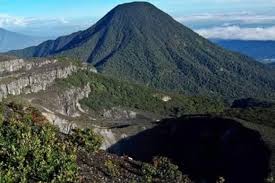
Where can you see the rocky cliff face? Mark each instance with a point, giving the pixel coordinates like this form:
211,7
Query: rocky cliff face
34,79
10,65
22,77
69,100
117,113
35,82
64,125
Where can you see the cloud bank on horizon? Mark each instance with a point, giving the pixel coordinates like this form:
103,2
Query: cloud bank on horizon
240,26
215,19
238,33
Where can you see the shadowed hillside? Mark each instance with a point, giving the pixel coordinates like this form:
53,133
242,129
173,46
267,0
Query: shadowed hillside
205,147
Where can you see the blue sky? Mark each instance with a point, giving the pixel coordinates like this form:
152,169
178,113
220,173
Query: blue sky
80,8
210,18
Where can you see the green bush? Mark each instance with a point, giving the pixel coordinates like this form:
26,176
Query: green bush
32,152
258,115
162,170
87,139
112,168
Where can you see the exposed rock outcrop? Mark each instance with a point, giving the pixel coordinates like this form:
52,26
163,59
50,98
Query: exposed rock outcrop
109,138
69,100
33,76
63,125
13,65
118,114
35,82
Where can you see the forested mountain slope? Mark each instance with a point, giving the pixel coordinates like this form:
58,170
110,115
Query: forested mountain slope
140,43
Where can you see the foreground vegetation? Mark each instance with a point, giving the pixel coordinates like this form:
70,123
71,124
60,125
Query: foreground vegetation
32,150
162,170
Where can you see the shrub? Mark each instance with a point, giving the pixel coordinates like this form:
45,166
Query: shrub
33,153
87,139
112,168
162,170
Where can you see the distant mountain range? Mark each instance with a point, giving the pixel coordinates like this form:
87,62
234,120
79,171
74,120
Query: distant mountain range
140,43
12,40
263,51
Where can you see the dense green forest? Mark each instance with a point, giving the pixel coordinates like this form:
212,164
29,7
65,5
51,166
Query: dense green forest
253,110
108,93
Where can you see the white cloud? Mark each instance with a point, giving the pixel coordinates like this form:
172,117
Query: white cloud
48,27
236,32
234,25
241,17
9,21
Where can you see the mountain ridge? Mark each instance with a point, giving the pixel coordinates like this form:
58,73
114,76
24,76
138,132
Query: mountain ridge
10,40
263,51
140,43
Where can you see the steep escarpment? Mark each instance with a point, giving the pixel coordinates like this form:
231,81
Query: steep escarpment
61,105
69,100
27,77
22,77
10,64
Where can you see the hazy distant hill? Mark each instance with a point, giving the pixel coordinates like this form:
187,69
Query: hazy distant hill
260,50
12,41
140,43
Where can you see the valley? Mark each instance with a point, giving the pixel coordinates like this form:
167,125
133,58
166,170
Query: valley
66,92
71,95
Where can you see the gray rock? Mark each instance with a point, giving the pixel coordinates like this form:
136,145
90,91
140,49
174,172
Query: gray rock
69,100
36,76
